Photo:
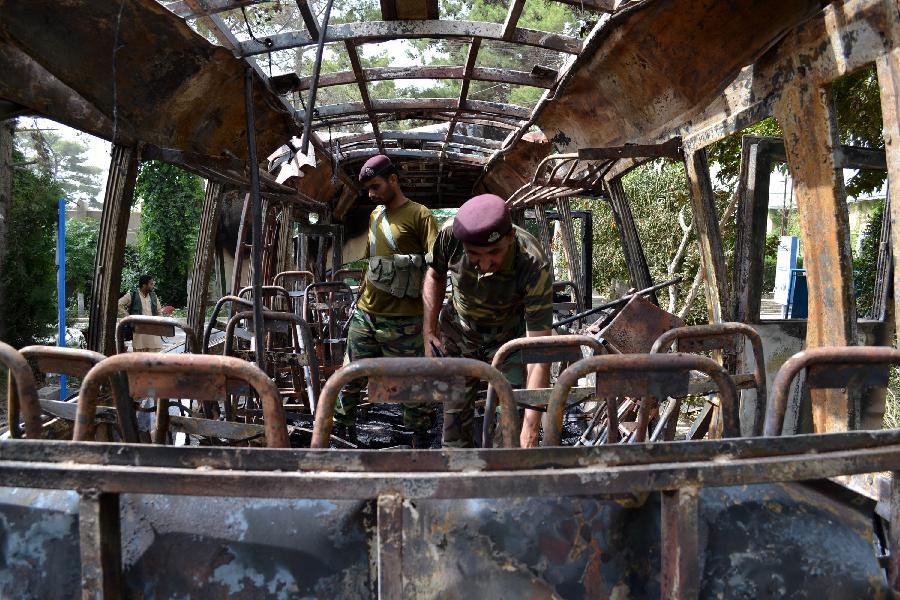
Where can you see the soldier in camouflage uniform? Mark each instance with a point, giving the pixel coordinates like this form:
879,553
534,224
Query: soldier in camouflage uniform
388,317
502,290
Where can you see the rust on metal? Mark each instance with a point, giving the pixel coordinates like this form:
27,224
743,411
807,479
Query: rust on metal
829,368
20,392
641,375
410,370
722,336
534,350
193,376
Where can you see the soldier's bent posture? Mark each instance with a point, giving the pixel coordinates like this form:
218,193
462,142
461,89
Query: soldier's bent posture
388,317
502,288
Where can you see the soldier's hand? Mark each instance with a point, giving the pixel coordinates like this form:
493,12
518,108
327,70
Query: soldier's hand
431,342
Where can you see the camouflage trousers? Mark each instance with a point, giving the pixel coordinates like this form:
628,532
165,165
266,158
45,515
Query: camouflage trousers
373,336
461,340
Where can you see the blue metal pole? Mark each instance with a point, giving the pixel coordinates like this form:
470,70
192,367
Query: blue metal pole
61,286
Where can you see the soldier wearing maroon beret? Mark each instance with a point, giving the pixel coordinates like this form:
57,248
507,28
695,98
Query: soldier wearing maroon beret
502,290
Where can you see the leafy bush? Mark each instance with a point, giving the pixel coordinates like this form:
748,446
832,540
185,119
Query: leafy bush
865,263
29,271
172,200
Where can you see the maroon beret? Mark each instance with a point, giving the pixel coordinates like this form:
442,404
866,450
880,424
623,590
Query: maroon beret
482,220
375,166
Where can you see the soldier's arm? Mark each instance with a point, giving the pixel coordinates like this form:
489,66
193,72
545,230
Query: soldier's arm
433,291
539,321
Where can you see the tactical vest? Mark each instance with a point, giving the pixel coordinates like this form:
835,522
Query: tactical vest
400,275
136,308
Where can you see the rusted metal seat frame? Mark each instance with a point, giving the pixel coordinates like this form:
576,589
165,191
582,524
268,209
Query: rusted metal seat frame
20,393
303,345
155,325
286,278
399,369
716,336
268,291
195,376
831,367
533,350
74,362
207,334
559,286
639,375
342,274
332,330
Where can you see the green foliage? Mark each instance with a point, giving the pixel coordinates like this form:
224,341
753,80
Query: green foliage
171,203
81,249
865,263
132,269
770,263
29,271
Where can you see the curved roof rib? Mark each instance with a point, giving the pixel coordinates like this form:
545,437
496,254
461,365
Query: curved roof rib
379,31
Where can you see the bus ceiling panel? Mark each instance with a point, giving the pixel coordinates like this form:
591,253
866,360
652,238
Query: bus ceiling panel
378,31
624,92
161,69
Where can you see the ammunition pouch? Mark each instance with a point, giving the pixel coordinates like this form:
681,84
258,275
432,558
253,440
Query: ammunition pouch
400,275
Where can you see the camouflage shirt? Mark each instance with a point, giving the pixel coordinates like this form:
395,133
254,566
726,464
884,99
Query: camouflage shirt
522,289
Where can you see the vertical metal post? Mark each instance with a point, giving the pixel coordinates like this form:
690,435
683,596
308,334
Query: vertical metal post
61,287
709,237
888,66
390,547
256,249
587,251
100,538
808,118
680,545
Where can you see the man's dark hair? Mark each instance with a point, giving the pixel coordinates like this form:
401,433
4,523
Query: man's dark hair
144,280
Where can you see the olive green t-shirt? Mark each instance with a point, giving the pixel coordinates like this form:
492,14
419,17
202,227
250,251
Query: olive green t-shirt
414,230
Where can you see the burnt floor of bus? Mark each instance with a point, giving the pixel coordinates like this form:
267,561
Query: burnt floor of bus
381,426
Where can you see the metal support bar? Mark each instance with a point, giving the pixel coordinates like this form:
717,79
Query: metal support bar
807,115
680,545
256,250
101,546
390,547
203,257
888,67
317,68
631,240
709,237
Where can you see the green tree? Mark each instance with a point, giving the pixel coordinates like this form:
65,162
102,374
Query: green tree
171,202
865,263
81,249
63,159
29,271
